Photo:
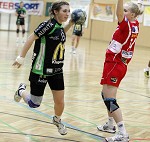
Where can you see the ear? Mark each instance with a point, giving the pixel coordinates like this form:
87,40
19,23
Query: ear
133,15
55,11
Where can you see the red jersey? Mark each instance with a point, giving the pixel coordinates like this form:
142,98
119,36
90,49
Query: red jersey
121,48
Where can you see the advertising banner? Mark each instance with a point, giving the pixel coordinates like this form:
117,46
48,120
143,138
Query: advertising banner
32,7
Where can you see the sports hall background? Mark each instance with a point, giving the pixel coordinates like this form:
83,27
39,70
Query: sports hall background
96,30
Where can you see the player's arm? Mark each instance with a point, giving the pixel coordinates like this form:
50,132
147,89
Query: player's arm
120,11
67,27
28,44
83,28
16,13
20,59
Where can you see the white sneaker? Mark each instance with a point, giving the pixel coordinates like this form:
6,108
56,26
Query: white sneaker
107,128
71,50
17,96
119,137
17,40
61,127
74,51
23,40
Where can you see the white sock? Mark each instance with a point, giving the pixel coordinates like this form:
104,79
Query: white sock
21,91
73,48
110,121
146,69
121,127
17,39
27,98
58,117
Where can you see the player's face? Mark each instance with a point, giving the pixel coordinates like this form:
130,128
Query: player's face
63,14
128,13
21,4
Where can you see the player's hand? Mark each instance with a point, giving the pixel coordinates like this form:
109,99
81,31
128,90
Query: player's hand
18,62
71,22
21,15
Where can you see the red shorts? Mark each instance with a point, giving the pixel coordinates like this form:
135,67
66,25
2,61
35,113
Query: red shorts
113,73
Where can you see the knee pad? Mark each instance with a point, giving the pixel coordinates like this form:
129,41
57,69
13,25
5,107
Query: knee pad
34,101
111,104
23,31
32,105
102,94
17,31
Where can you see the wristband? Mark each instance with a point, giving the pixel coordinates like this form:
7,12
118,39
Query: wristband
20,60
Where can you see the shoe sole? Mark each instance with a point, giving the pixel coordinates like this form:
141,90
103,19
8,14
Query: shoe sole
63,134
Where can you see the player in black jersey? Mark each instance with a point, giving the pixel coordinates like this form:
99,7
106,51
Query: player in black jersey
146,70
21,14
76,35
48,60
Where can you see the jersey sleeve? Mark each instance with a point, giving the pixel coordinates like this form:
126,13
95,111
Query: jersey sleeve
43,29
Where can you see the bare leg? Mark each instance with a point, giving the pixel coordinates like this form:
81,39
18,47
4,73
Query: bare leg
110,92
73,40
58,108
23,28
18,27
77,41
58,102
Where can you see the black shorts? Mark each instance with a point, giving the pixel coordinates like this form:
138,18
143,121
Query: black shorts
77,33
20,21
38,83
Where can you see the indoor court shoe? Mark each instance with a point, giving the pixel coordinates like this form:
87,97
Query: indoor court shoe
106,128
23,40
61,127
146,72
17,96
74,51
119,137
17,40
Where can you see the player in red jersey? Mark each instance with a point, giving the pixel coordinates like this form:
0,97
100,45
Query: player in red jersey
118,55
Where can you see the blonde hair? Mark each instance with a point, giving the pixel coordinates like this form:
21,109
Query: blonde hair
135,8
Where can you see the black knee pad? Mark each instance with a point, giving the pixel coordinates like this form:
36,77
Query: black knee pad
111,104
17,31
102,94
23,31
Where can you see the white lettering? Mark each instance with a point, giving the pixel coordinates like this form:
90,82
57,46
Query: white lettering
57,62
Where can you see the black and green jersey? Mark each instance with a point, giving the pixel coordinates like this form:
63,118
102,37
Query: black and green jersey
19,11
77,30
48,55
